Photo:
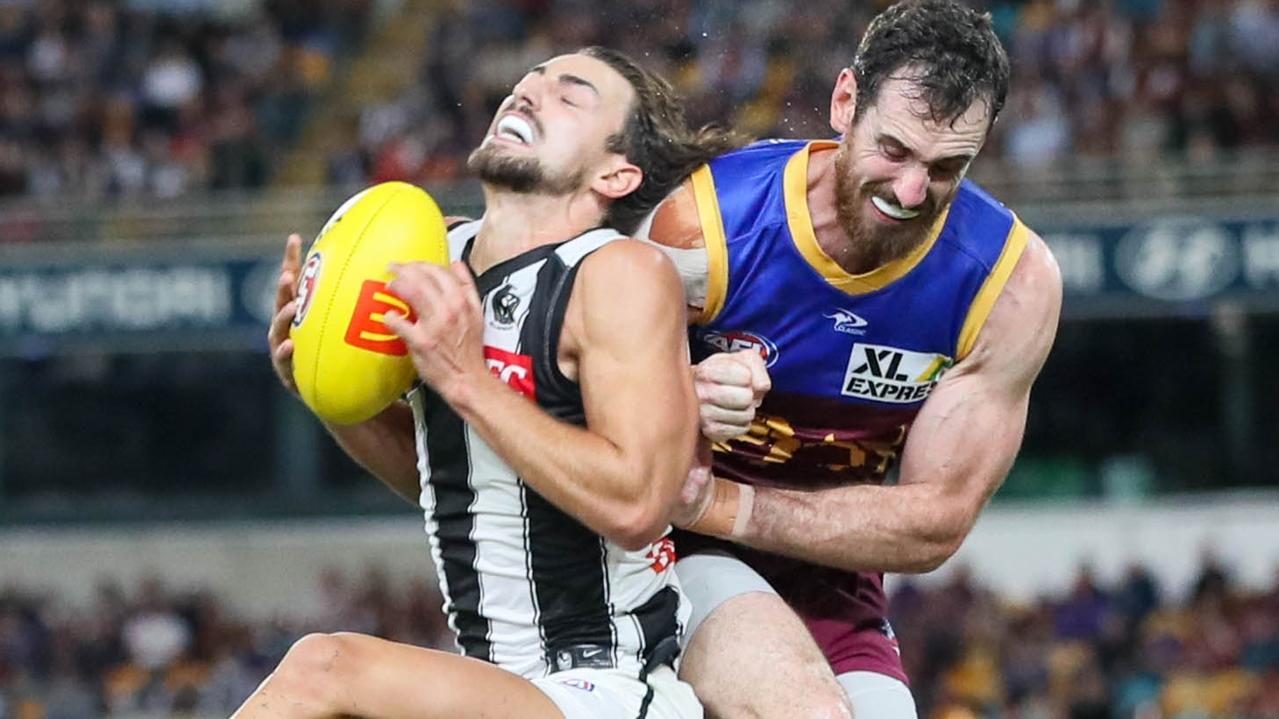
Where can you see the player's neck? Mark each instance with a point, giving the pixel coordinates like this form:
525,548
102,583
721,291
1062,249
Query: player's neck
515,223
856,255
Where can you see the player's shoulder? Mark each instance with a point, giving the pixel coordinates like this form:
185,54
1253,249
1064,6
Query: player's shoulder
627,259
1037,271
676,222
1016,337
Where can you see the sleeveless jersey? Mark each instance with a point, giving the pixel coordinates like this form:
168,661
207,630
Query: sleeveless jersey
852,358
524,582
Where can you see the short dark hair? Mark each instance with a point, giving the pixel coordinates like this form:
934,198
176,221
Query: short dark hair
953,51
657,139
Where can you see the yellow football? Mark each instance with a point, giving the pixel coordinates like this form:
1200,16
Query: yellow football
347,365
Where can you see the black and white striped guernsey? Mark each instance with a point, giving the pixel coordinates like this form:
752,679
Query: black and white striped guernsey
521,579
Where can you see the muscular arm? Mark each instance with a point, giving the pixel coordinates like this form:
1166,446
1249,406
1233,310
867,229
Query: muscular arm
621,474
960,448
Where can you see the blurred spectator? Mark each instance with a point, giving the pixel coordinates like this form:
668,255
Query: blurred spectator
102,98
156,652
1142,78
1100,651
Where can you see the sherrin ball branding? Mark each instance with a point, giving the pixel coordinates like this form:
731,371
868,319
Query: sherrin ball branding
348,366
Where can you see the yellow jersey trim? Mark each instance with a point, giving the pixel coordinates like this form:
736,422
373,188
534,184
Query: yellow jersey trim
990,290
800,221
716,242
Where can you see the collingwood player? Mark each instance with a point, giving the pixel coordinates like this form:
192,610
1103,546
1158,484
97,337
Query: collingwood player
552,431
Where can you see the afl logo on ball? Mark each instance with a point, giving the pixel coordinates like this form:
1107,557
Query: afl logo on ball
306,287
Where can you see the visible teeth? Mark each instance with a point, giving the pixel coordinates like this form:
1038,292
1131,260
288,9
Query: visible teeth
894,211
515,127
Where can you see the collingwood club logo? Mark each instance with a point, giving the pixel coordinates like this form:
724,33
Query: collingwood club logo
505,302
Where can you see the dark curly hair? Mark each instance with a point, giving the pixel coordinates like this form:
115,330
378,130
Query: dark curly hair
950,50
657,139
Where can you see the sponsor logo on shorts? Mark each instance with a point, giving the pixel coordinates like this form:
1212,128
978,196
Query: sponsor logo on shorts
738,340
578,684
661,554
848,322
367,329
515,370
892,375
306,287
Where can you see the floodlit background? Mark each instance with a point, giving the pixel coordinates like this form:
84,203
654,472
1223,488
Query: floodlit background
170,520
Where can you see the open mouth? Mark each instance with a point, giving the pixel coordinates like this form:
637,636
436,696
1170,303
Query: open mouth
892,210
514,128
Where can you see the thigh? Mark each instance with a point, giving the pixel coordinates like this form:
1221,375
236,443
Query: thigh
875,696
750,655
380,679
591,693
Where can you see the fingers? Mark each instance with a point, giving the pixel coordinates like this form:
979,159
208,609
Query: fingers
282,358
279,329
720,432
726,396
711,414
436,292
419,284
723,369
729,391
292,254
401,327
281,346
760,382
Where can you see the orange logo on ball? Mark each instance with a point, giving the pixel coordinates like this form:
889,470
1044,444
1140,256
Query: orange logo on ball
367,329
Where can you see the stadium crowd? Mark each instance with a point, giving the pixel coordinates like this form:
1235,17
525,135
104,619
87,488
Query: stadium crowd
106,98
1128,650
143,97
1131,78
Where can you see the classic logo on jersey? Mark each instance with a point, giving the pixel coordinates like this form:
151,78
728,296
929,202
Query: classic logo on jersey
306,287
515,370
741,340
848,322
505,302
367,329
893,375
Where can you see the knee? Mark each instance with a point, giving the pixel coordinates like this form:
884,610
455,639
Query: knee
316,655
312,667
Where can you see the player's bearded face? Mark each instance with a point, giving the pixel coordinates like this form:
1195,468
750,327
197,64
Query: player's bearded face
522,174
551,134
853,192
898,169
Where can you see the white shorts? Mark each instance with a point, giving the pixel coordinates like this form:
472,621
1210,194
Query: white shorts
616,694
876,696
711,577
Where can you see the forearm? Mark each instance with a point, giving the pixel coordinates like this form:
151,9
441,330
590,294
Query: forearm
384,446
908,528
579,471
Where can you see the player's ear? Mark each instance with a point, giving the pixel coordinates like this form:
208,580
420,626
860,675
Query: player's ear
843,102
619,178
